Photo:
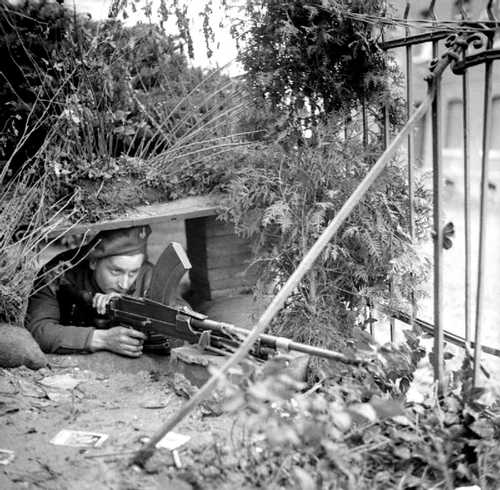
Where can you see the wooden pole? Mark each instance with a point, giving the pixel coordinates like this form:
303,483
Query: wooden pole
278,302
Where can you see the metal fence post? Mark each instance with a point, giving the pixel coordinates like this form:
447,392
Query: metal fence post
437,220
488,72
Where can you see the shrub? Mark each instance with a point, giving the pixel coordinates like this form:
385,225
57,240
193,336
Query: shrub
285,201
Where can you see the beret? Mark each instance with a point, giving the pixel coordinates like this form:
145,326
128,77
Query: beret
123,241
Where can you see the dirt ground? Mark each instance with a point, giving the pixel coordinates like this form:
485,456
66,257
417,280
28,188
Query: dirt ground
126,399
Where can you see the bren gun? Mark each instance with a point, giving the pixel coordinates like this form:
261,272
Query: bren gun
154,316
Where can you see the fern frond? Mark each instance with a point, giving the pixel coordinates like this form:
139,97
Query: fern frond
372,245
278,213
316,218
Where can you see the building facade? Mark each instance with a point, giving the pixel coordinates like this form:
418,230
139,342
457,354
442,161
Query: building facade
452,105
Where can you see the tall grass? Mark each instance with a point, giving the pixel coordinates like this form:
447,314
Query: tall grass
26,224
116,107
150,123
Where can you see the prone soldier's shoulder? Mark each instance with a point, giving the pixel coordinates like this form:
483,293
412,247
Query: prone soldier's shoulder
60,268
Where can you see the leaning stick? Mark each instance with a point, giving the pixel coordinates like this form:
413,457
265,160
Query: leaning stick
293,281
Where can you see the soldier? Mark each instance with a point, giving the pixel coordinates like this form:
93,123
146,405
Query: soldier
60,316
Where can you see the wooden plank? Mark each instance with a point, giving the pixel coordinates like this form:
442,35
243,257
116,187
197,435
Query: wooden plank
181,209
237,272
222,293
241,258
228,244
233,283
217,228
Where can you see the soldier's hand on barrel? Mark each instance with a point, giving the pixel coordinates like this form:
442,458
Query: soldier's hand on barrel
100,301
122,340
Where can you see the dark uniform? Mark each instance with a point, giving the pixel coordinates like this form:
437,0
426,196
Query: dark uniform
60,316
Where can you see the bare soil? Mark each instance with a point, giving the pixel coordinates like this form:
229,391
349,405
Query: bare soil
127,399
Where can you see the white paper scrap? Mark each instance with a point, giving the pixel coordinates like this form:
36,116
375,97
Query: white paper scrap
173,441
78,438
61,381
6,456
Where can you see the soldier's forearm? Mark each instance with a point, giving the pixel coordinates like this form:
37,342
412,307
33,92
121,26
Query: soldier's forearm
98,341
60,339
121,340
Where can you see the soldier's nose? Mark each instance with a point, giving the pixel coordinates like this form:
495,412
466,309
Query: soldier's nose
124,284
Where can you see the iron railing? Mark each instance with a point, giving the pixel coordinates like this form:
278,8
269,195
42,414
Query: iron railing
457,46
458,38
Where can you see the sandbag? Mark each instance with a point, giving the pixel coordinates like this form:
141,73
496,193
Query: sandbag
18,347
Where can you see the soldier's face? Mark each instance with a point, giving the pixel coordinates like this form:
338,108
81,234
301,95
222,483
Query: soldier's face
117,274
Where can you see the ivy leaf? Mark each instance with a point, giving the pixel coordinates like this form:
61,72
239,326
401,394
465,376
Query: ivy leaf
279,436
483,429
365,410
342,420
401,452
363,340
386,408
234,403
464,471
304,480
312,10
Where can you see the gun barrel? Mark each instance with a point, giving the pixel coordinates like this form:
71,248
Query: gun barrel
188,325
325,353
277,343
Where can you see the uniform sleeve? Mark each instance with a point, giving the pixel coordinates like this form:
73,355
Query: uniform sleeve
42,320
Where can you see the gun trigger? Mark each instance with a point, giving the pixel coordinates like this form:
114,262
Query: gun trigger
204,340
